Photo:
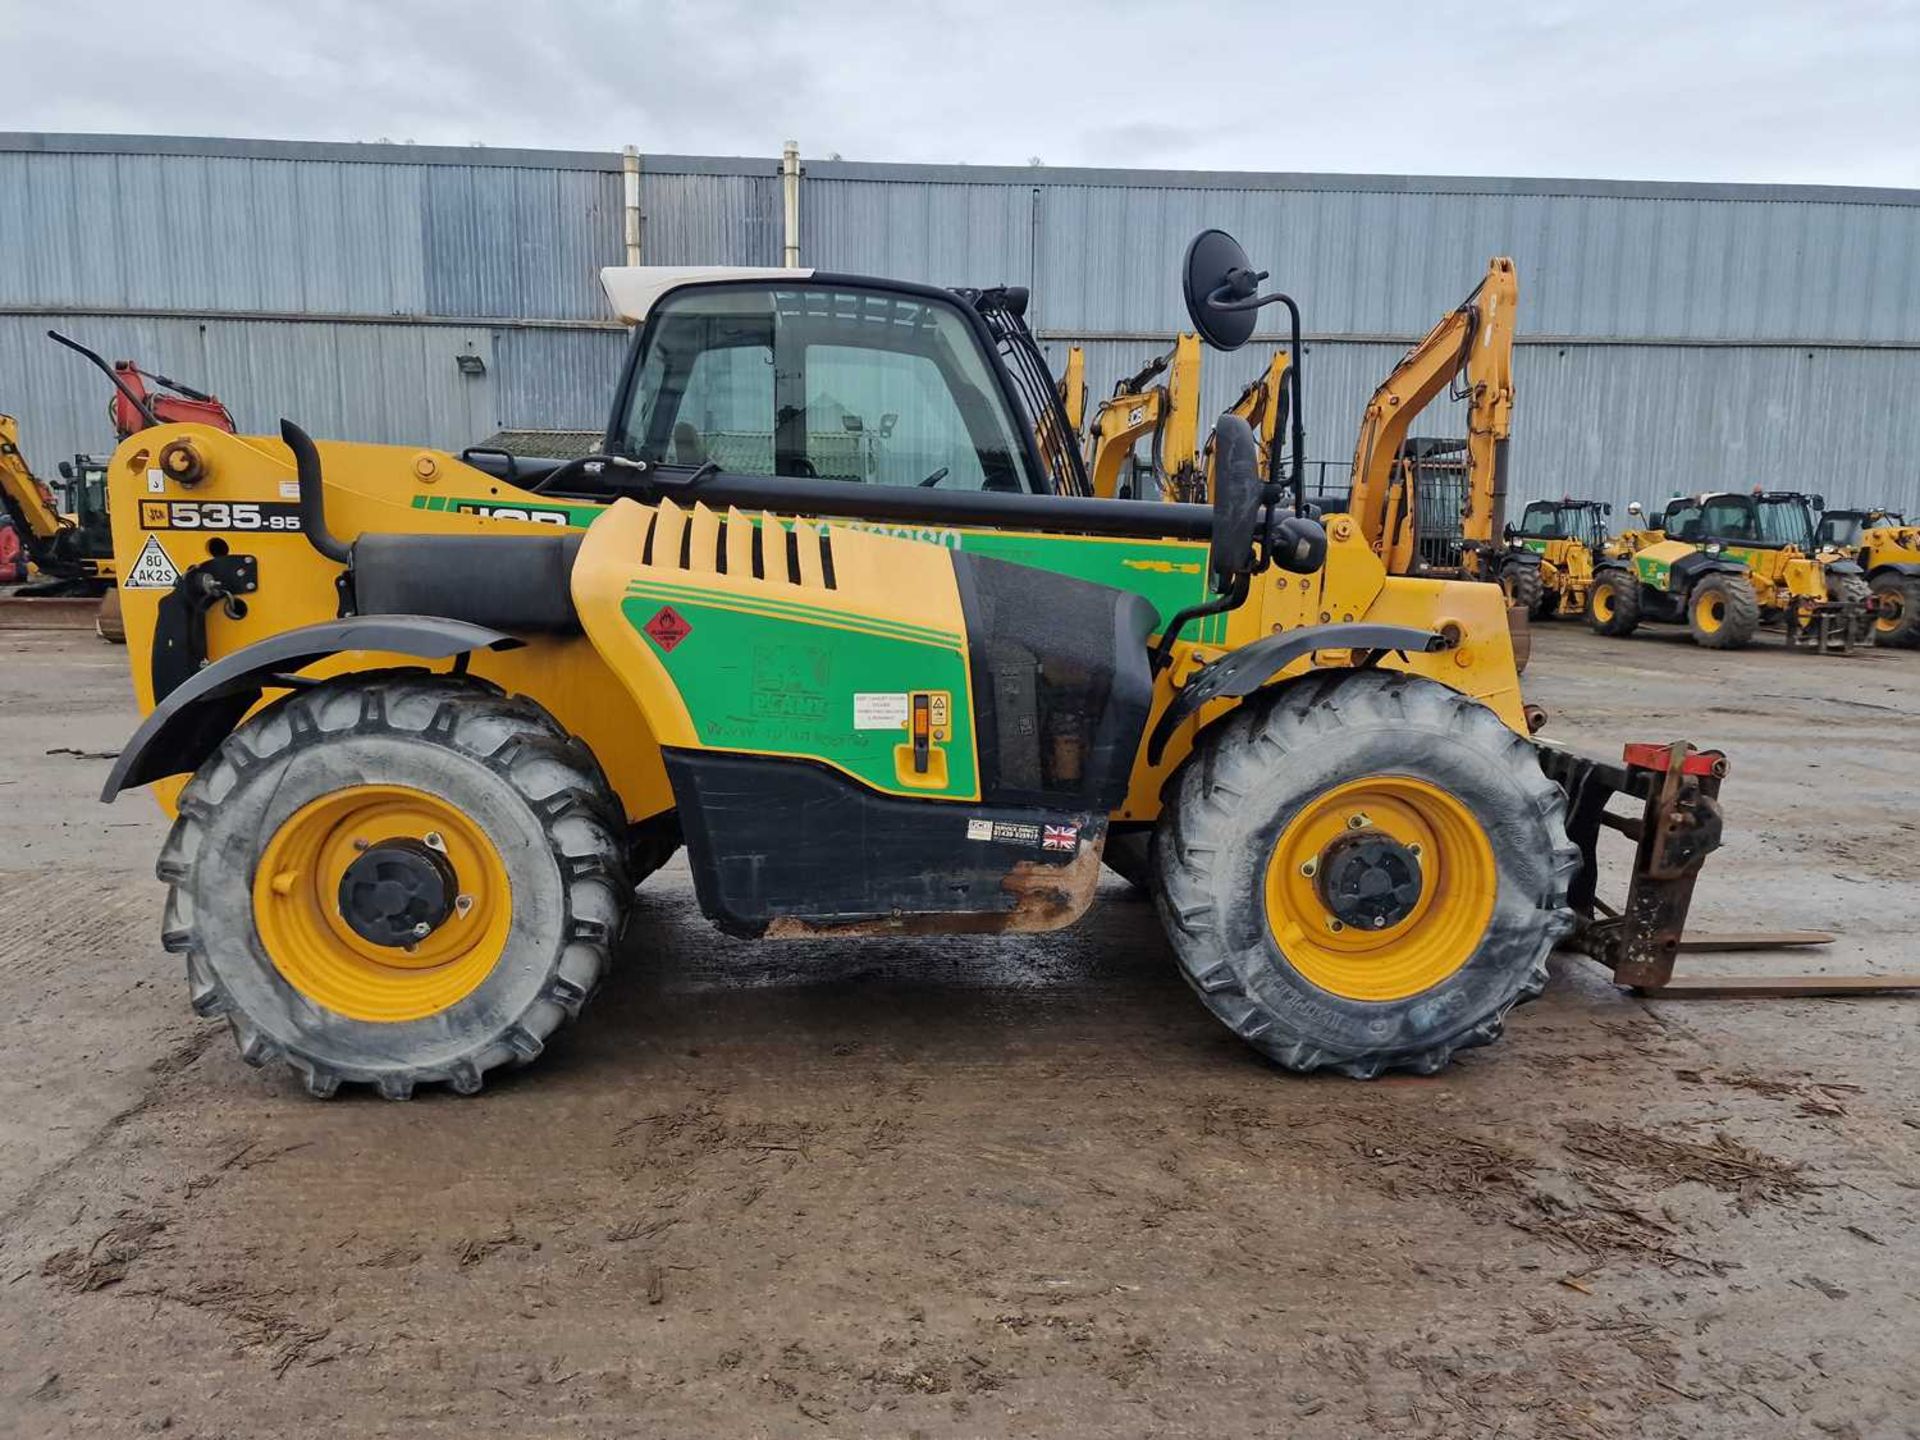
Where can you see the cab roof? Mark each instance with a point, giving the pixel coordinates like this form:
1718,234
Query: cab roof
633,290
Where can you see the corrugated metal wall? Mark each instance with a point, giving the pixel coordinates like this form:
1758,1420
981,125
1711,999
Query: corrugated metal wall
1673,336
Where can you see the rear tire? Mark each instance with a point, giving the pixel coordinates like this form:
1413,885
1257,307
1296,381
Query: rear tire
1723,613
533,844
1896,619
1613,603
1492,880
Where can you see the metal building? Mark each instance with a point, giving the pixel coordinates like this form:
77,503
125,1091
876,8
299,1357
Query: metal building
1672,336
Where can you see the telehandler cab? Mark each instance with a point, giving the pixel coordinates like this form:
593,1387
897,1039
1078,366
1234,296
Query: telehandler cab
424,722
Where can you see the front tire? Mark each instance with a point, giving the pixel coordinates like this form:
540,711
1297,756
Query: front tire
1613,603
1723,612
1855,590
1399,804
395,880
1523,586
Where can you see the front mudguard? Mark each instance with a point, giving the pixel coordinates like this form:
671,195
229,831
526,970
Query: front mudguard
190,722
1245,670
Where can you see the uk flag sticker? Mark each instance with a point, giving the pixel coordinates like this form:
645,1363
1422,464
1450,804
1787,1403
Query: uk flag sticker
1060,837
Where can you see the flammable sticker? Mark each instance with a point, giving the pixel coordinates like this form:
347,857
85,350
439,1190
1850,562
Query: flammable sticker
668,628
153,569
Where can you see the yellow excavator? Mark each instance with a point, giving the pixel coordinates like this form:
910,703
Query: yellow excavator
1168,411
1437,507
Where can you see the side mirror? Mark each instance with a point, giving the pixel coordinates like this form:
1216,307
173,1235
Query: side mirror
1633,507
1819,501
1218,282
1606,507
1236,501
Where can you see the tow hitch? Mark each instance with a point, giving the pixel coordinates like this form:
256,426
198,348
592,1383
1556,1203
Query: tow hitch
1678,826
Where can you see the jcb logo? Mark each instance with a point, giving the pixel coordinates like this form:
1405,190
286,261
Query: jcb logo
518,512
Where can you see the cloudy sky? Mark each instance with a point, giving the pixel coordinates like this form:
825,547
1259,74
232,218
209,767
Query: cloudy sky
1766,90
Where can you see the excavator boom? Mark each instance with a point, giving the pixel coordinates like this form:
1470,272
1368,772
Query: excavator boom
1472,344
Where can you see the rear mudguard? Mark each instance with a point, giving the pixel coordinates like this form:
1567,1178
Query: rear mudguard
1908,568
189,724
1251,666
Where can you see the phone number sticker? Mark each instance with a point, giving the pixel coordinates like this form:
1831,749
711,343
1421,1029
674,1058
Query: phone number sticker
218,515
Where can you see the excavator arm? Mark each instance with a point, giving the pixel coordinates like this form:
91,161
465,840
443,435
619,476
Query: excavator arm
1473,343
30,507
1169,412
1263,405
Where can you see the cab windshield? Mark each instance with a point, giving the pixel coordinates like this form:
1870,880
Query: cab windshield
831,383
1841,530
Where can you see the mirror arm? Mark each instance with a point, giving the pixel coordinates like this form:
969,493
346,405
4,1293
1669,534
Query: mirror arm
1235,595
1237,294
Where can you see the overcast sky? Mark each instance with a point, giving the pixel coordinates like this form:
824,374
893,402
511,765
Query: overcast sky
1766,90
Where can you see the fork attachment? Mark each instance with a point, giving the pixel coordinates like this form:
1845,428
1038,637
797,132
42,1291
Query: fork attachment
1678,826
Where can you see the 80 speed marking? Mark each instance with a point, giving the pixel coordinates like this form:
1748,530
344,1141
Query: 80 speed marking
218,515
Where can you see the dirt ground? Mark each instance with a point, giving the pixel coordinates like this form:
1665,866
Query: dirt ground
988,1186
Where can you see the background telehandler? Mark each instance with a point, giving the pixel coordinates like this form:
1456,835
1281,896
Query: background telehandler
423,721
1567,535
1887,549
1724,564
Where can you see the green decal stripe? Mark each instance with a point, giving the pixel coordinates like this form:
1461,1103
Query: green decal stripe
774,685
792,610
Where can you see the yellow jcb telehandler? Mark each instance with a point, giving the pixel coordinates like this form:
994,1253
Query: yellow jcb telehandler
1568,535
1887,549
424,721
1724,564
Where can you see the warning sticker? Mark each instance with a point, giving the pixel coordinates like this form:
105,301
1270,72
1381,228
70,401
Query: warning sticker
153,570
879,711
979,829
668,628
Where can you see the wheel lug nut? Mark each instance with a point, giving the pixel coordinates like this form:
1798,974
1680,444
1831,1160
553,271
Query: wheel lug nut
1335,926
359,844
1358,822
434,842
1310,868
1379,922
462,904
422,930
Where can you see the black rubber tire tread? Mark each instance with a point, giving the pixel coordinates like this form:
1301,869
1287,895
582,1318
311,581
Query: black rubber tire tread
1247,776
1855,588
1743,612
1626,603
509,749
1523,586
1129,855
1905,589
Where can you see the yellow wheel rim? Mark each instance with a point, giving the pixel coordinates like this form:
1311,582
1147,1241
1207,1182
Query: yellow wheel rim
1710,613
1603,603
1888,614
1438,935
296,905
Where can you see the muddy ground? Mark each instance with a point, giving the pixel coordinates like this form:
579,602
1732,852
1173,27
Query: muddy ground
985,1186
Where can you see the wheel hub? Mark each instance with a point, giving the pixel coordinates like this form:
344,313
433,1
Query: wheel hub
1369,880
397,893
